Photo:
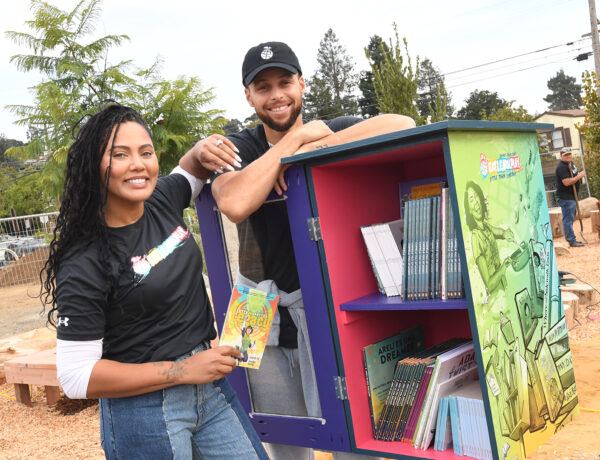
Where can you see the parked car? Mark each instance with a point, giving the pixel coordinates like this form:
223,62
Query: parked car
26,245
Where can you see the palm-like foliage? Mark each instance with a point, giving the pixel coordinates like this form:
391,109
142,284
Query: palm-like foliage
78,77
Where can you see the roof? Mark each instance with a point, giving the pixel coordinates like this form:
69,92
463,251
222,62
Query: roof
564,113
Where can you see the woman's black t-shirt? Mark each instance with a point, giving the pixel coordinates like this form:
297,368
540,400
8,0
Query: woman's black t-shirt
160,309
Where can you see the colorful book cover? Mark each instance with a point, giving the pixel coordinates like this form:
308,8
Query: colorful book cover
380,360
248,322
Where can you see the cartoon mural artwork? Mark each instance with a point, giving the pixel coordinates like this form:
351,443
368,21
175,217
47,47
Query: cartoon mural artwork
514,288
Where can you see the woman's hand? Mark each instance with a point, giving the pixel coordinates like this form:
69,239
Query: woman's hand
217,153
209,365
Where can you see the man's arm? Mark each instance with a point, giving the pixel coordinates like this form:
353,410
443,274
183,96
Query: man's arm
239,193
573,180
371,127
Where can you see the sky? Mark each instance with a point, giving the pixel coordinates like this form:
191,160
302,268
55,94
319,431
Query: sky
208,40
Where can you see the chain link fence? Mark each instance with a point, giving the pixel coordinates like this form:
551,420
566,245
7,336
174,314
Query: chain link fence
24,242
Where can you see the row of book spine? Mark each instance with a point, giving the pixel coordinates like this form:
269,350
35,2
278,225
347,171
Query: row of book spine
411,406
417,257
462,425
432,266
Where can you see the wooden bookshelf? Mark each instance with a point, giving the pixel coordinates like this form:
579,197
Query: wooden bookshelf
338,190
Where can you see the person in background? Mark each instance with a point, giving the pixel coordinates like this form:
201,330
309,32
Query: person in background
132,314
567,176
248,168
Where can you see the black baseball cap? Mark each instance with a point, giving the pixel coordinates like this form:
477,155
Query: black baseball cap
266,55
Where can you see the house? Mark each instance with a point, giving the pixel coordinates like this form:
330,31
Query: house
564,134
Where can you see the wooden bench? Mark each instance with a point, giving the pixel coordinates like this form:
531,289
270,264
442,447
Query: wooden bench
34,369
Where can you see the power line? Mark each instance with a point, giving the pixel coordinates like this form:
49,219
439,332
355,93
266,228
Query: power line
508,73
570,54
513,57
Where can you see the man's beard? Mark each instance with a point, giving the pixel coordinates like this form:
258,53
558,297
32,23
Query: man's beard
282,128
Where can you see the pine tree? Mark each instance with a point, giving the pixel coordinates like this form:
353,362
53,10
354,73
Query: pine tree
330,91
434,101
566,93
396,82
368,102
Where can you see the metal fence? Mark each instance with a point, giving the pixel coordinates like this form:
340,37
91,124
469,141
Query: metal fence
24,244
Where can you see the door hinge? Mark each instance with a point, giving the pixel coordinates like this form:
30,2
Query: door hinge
314,228
341,391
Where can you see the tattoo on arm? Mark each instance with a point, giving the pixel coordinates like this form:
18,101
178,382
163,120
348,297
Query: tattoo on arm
171,371
321,146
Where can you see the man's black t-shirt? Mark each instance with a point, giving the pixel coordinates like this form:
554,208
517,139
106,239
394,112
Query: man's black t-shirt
160,309
270,228
562,172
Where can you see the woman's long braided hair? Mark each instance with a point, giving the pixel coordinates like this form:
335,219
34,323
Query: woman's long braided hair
81,216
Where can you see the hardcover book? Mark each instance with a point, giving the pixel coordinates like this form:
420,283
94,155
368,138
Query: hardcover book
248,322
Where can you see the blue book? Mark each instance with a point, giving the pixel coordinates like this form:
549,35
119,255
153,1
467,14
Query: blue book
455,425
443,435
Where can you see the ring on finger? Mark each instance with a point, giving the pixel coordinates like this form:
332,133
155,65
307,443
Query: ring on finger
219,142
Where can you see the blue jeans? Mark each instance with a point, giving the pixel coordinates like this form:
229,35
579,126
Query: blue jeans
203,421
569,208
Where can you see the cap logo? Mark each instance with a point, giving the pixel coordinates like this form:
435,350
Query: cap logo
266,53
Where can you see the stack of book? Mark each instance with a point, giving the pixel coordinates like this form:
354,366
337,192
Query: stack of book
417,383
462,423
417,257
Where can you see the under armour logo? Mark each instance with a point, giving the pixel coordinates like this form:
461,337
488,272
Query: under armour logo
267,53
63,321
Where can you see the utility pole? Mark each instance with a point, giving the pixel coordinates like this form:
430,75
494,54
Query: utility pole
594,32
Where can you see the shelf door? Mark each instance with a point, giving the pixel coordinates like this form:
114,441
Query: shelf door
328,432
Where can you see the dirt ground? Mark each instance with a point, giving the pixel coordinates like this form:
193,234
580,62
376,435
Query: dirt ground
42,432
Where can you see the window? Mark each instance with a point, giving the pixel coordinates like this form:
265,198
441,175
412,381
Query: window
555,140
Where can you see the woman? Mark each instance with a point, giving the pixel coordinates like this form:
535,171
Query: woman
483,239
129,303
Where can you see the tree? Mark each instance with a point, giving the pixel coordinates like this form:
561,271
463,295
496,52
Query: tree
375,52
79,78
566,93
480,103
396,82
432,93
330,91
508,113
233,126
24,193
590,131
5,144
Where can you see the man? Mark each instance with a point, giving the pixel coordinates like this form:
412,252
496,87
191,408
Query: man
568,176
248,166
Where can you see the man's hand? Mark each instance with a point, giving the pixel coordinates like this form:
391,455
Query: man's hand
217,153
310,133
313,131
